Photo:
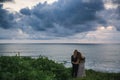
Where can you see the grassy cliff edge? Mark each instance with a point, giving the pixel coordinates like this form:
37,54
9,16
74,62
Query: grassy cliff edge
27,68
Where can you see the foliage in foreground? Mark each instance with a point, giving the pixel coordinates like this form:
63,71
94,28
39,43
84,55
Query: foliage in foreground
26,68
94,75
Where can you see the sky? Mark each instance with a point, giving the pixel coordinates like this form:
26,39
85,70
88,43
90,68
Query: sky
59,21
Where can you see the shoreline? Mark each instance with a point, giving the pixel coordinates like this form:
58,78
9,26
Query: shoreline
97,70
42,68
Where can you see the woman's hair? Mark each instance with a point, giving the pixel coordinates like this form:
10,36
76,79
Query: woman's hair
75,52
79,55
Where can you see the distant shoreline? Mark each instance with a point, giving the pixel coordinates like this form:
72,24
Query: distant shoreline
66,43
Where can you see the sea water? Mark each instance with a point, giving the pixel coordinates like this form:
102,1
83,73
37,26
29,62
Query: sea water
99,57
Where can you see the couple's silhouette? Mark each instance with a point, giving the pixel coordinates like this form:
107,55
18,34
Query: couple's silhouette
78,60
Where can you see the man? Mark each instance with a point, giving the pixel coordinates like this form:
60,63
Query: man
75,63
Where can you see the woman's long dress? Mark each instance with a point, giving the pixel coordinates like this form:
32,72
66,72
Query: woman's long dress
81,69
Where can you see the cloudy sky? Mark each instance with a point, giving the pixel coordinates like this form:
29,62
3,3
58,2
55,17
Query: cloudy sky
60,21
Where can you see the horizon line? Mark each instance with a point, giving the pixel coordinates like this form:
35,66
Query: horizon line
58,41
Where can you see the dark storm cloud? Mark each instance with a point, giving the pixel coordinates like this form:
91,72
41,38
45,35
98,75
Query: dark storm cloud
25,11
113,15
118,3
6,18
64,17
5,0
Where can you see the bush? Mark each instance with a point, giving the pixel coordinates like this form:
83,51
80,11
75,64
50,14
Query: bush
26,68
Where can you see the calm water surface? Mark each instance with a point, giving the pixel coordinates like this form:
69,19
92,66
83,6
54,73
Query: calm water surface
100,57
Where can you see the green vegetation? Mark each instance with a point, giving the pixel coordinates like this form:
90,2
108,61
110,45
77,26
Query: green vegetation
94,75
26,68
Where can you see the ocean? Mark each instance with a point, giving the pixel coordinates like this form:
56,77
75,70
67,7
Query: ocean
99,57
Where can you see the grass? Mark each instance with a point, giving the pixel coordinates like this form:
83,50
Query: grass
95,75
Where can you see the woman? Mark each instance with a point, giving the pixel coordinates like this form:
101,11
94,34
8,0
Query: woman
75,63
81,69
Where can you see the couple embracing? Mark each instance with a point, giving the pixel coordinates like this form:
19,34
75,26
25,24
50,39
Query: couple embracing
78,62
